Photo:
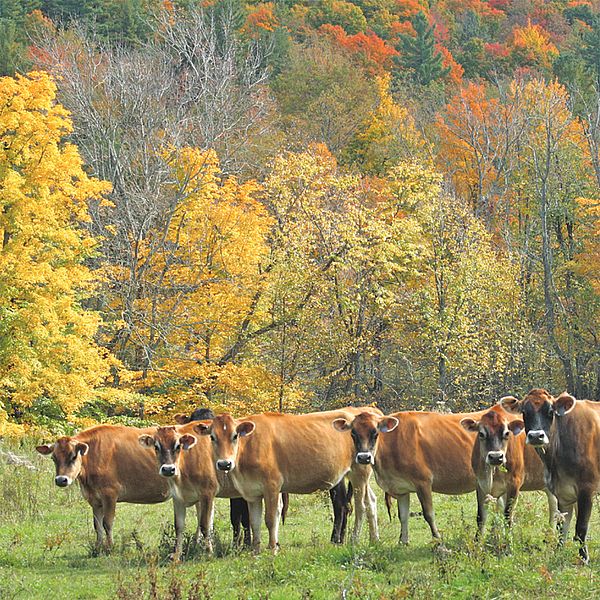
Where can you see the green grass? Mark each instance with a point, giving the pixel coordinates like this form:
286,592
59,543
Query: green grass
46,535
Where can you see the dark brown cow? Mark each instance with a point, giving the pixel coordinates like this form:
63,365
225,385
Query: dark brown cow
271,453
107,463
566,432
503,464
420,452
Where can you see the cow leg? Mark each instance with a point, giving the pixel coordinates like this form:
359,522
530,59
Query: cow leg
255,513
404,515
425,497
245,519
552,507
566,521
109,507
98,514
236,518
584,510
360,491
206,521
337,494
371,499
512,496
482,512
272,517
179,511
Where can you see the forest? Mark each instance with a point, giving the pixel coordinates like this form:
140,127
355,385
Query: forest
285,205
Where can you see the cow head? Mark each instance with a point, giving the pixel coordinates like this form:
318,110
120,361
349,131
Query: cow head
225,433
539,409
199,414
493,431
365,429
168,444
67,454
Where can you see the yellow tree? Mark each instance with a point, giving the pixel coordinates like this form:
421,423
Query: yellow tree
47,348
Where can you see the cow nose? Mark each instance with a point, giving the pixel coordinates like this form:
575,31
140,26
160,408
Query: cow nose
364,458
167,470
536,437
495,458
61,481
224,465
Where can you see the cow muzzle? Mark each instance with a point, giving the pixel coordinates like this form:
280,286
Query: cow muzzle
225,465
537,438
364,458
62,480
495,459
168,470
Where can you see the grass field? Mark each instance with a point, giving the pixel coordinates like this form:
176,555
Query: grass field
46,535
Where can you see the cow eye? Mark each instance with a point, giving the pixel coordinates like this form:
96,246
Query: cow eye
235,436
481,435
506,434
213,438
176,446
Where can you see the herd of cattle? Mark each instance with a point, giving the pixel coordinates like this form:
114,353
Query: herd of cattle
263,458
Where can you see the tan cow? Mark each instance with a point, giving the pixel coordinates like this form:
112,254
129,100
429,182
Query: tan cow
185,464
504,465
107,463
271,453
420,452
566,433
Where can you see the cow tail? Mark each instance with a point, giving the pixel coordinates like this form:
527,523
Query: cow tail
388,504
285,497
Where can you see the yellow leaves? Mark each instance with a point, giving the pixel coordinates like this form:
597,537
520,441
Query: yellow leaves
48,347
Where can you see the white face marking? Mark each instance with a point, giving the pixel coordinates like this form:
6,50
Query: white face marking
224,427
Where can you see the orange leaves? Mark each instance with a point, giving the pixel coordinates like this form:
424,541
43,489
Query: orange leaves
374,52
261,18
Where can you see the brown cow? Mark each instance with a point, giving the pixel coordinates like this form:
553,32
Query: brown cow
107,463
420,452
271,453
566,433
503,463
184,462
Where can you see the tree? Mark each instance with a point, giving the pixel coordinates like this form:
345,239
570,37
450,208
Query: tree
418,54
47,348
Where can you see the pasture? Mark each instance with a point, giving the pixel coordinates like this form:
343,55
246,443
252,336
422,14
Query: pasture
46,539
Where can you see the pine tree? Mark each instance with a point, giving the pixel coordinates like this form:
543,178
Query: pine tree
418,53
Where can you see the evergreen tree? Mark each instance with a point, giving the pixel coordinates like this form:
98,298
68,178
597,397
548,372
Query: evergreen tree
418,53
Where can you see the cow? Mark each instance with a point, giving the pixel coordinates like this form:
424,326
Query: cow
503,464
184,461
419,451
238,507
106,462
271,453
566,434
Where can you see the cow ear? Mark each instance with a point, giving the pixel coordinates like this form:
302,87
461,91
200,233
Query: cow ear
387,424
341,424
146,440
181,419
516,426
470,424
45,449
202,428
82,448
187,441
245,428
564,404
511,405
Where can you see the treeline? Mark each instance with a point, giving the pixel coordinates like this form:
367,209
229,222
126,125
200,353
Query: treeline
307,204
